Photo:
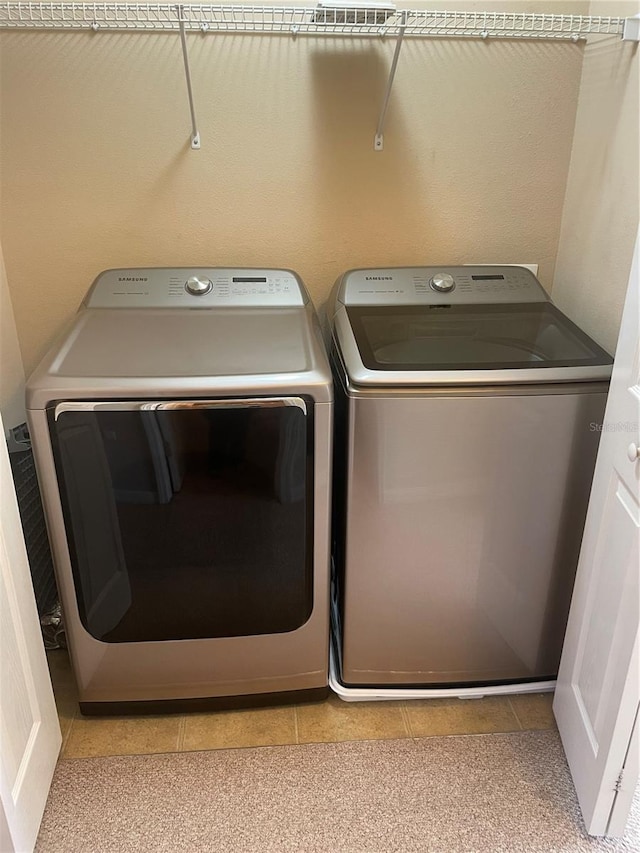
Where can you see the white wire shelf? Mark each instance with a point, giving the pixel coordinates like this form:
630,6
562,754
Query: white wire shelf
309,20
351,18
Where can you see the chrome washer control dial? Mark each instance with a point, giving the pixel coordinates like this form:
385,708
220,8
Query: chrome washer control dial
442,282
198,286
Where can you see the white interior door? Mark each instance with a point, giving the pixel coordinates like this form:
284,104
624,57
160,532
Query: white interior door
598,689
29,730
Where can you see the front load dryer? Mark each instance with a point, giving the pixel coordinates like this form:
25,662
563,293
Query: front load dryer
181,428
468,410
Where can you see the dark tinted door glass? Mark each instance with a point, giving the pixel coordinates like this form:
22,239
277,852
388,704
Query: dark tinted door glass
188,523
453,337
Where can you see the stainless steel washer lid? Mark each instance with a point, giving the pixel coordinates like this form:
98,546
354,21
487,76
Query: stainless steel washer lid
145,332
457,325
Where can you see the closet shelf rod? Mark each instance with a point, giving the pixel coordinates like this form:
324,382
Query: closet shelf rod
311,20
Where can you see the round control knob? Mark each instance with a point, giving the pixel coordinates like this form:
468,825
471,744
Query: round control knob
442,282
633,452
198,286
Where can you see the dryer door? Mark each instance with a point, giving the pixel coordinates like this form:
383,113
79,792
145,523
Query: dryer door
188,519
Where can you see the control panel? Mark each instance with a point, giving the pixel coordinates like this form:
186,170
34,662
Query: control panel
440,286
190,287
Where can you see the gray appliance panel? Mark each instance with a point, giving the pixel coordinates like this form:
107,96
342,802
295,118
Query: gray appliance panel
411,286
464,518
217,287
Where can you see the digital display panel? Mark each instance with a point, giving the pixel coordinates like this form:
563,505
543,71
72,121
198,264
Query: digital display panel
248,279
487,277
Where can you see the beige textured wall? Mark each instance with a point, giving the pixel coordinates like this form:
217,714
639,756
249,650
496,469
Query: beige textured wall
11,370
600,218
97,171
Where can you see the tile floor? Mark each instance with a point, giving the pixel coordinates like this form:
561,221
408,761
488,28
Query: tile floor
330,721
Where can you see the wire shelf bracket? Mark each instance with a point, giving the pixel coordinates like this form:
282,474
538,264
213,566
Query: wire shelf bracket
378,143
328,18
195,136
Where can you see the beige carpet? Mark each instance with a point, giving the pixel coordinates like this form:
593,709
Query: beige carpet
493,793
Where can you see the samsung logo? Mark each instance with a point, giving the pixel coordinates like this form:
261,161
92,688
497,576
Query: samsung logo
131,278
378,278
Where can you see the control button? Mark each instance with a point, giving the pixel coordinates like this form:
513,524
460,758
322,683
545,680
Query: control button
442,282
198,286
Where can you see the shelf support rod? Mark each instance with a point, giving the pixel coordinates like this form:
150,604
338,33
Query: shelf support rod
195,136
378,144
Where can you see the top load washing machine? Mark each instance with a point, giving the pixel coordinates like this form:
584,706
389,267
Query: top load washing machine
182,434
467,422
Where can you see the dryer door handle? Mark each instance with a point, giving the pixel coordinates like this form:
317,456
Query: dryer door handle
239,403
172,405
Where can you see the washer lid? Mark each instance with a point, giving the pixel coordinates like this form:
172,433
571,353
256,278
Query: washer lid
465,343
